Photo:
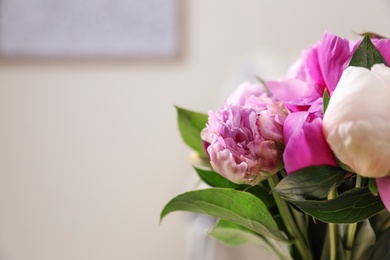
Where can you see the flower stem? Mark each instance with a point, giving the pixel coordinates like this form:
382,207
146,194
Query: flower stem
350,239
292,229
352,227
333,234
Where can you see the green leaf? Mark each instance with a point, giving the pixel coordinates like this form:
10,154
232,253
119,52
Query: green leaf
312,182
214,179
365,238
263,194
232,234
380,221
190,125
352,206
325,100
372,186
236,206
366,55
380,250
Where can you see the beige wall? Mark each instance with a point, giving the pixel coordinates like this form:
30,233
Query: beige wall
90,153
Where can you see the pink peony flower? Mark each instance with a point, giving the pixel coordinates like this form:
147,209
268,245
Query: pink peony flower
319,68
246,136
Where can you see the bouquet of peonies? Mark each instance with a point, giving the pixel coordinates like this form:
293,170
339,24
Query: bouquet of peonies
301,164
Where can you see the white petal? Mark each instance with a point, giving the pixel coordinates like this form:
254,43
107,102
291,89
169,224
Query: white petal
363,145
357,121
360,94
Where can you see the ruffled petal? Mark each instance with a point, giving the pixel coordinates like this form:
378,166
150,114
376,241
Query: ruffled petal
223,162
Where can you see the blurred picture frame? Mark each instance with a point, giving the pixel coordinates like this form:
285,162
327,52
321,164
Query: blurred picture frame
92,29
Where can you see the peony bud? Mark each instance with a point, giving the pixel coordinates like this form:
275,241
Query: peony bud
356,123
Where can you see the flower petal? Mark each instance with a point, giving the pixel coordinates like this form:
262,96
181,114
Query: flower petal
334,54
305,143
223,162
245,90
384,190
296,94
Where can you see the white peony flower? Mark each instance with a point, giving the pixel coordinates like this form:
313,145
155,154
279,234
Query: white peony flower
356,123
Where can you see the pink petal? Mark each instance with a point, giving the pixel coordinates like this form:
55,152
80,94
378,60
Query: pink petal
224,163
294,93
383,47
243,91
305,143
384,190
334,54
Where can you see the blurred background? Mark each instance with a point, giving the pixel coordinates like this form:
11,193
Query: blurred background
89,148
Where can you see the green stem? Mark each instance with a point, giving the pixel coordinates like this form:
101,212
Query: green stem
350,239
333,234
293,232
352,227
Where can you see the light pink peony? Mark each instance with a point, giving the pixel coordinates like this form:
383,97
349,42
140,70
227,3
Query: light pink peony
357,122
246,136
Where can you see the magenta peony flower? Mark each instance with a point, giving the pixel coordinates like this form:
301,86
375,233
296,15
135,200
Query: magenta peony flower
305,144
246,136
319,68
